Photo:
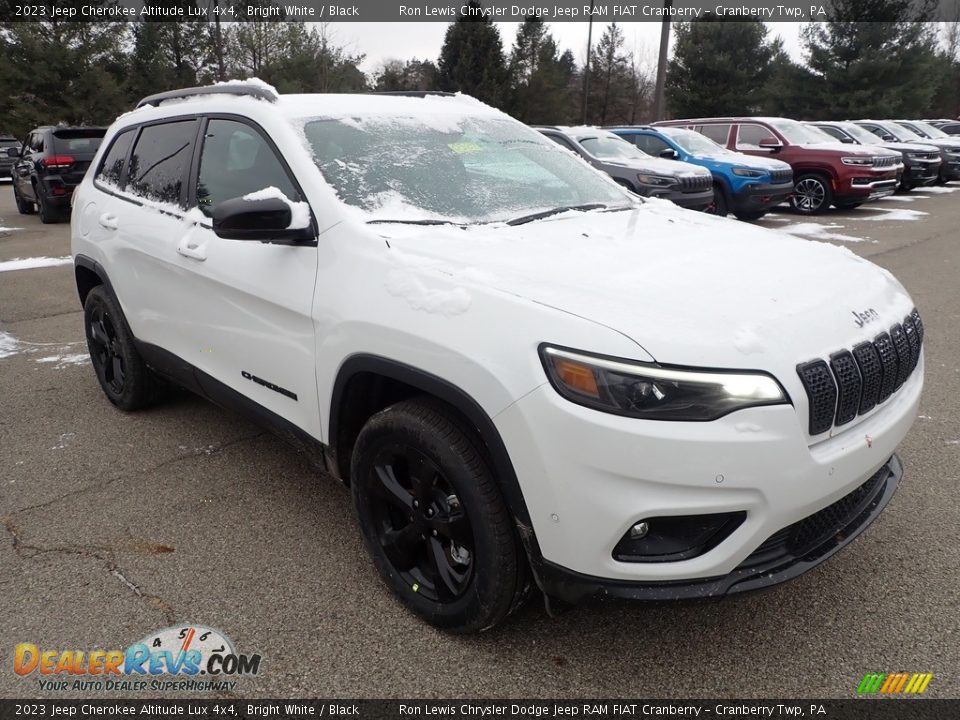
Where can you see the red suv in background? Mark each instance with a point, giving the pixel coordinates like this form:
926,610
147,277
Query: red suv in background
825,172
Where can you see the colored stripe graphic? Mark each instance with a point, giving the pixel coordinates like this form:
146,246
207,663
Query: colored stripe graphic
894,683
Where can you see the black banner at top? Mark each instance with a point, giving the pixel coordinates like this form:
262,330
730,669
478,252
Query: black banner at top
412,10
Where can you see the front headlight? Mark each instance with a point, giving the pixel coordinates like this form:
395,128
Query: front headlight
658,180
857,160
747,172
654,392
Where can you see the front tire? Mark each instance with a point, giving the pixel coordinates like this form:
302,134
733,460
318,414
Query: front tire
847,206
48,215
126,381
432,517
720,206
751,215
812,194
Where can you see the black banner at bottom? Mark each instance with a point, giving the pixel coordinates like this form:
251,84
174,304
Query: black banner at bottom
860,709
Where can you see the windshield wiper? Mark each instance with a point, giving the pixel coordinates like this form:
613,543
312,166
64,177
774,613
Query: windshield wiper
413,222
555,211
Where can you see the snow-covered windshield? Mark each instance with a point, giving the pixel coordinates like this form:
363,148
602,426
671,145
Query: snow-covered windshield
928,129
451,168
820,136
695,143
611,147
797,134
899,132
861,135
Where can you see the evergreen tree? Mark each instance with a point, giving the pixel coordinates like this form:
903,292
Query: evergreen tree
539,76
719,67
471,59
791,89
874,57
407,75
611,92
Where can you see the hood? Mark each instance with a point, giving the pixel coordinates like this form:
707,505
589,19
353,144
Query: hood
910,147
944,143
659,166
850,150
736,159
689,288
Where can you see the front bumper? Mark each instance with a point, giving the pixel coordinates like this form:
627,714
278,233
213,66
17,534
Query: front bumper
761,197
784,556
921,172
868,187
950,168
697,200
588,476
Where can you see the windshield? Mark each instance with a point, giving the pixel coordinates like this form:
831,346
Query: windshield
819,135
929,130
9,144
899,131
451,168
861,135
695,143
611,147
797,134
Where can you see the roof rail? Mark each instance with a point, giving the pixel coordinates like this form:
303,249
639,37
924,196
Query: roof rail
249,90
415,93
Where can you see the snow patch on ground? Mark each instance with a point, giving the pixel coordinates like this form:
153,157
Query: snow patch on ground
9,345
820,232
901,214
6,229
299,211
30,263
941,189
63,361
905,198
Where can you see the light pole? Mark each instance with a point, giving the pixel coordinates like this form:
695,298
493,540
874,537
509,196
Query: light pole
658,93
586,67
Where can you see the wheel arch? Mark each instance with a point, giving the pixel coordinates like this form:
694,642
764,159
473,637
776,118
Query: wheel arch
352,403
89,274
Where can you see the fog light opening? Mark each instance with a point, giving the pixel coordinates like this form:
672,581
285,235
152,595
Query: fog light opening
639,530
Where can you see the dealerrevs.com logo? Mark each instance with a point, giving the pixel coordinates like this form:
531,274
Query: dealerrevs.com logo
190,658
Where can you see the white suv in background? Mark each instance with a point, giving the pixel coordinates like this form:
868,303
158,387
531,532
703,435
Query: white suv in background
525,373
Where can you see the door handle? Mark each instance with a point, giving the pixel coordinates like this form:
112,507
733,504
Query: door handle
192,249
108,221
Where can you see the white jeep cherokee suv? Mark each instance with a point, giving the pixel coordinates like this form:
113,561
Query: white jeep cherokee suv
525,373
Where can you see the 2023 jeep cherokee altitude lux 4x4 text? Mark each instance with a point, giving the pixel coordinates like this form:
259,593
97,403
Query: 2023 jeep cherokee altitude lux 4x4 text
526,373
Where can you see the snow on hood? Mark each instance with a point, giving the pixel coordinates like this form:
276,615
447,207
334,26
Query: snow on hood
744,160
910,147
657,165
866,150
688,287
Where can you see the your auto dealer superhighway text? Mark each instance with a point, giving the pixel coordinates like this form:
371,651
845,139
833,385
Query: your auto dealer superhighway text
521,11
616,709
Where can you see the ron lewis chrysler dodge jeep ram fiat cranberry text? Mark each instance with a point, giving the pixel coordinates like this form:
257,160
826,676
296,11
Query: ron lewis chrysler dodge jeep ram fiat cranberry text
527,374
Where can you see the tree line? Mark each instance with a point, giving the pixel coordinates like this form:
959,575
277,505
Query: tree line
882,58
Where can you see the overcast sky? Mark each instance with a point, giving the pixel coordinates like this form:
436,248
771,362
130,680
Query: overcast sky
383,41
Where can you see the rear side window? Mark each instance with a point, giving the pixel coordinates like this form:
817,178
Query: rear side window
160,161
562,142
717,133
235,161
111,168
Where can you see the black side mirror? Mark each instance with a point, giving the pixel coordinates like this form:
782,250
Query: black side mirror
886,137
267,220
668,154
771,144
846,140
13,152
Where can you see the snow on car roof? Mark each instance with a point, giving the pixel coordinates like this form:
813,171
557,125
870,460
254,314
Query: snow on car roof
347,105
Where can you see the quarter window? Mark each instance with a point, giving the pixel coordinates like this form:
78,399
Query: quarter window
161,160
235,161
111,169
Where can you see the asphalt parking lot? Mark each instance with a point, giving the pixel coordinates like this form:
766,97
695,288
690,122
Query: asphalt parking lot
116,525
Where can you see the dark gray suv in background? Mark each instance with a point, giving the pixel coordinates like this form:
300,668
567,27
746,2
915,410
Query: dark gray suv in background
7,142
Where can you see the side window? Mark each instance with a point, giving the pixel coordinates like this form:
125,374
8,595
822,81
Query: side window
652,145
161,160
36,142
111,167
749,136
236,161
563,142
717,133
835,132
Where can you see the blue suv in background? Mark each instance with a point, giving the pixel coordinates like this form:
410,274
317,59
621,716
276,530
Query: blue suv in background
745,185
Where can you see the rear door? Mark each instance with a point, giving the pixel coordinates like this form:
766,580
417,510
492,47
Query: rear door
23,167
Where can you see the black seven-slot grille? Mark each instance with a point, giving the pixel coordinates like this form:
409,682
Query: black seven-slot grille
696,183
853,383
781,176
